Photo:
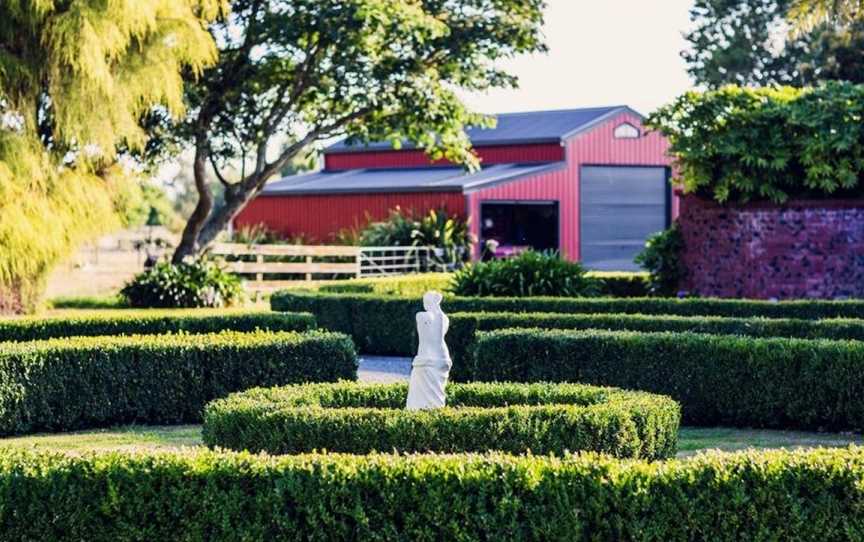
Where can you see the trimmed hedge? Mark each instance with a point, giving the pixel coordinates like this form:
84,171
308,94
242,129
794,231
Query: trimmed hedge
621,283
776,495
718,379
151,322
464,327
386,325
66,384
515,418
413,285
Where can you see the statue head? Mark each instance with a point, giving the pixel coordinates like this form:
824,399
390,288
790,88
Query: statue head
432,301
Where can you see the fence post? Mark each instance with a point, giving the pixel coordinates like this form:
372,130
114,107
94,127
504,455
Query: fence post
259,277
358,257
309,263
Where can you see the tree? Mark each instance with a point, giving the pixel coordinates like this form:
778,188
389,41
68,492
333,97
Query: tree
747,42
304,71
805,15
75,78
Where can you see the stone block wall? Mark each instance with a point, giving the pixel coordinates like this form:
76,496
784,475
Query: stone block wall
803,249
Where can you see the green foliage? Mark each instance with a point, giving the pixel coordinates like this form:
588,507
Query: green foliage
527,275
620,283
384,324
463,328
87,302
791,496
661,257
738,145
81,382
75,78
256,234
202,283
435,229
808,14
516,418
402,285
746,42
306,71
718,379
151,322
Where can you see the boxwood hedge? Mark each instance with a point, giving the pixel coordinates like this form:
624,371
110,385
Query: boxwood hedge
516,418
385,324
65,384
777,495
151,322
718,379
463,326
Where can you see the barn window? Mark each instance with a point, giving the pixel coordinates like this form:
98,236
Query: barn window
626,131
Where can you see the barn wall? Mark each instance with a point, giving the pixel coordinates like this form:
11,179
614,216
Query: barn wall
498,154
594,147
318,218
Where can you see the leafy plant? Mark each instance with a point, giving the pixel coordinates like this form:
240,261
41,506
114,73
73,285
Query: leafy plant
528,274
201,283
737,145
718,379
514,418
661,257
451,236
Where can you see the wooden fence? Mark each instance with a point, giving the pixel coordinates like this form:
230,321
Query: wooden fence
269,267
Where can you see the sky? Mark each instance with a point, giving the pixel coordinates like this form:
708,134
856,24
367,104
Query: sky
601,52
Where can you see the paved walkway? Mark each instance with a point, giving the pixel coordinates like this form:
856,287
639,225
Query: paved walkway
384,369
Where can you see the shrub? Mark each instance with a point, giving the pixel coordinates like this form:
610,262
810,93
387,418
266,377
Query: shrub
662,259
621,283
436,229
740,144
403,285
516,418
198,284
151,322
774,495
87,302
66,384
463,327
385,324
528,274
718,379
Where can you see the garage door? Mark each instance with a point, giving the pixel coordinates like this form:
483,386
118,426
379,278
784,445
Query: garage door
620,208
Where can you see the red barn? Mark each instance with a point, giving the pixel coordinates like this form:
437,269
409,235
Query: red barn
591,183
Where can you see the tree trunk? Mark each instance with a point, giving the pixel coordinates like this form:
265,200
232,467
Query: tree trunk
236,198
189,240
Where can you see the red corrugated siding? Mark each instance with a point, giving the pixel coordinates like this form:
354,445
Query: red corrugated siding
498,154
319,218
595,147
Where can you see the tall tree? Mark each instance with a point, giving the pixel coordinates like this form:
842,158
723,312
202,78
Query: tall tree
308,70
76,76
748,42
809,14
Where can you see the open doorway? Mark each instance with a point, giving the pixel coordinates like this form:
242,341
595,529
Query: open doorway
516,226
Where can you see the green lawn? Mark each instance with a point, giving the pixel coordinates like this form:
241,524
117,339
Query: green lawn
138,437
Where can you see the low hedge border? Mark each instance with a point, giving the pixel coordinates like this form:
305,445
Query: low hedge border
151,322
776,495
85,382
515,418
718,379
386,325
464,325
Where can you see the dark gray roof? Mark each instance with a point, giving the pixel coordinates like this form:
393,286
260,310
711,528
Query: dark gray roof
516,128
429,179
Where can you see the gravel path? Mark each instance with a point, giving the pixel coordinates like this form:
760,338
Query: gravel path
384,369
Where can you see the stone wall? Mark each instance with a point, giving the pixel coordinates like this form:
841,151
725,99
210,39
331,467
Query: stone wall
804,249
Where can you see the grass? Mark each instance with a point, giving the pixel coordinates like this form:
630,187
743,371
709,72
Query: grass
147,438
129,438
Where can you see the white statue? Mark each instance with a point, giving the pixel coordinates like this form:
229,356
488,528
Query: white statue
432,364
